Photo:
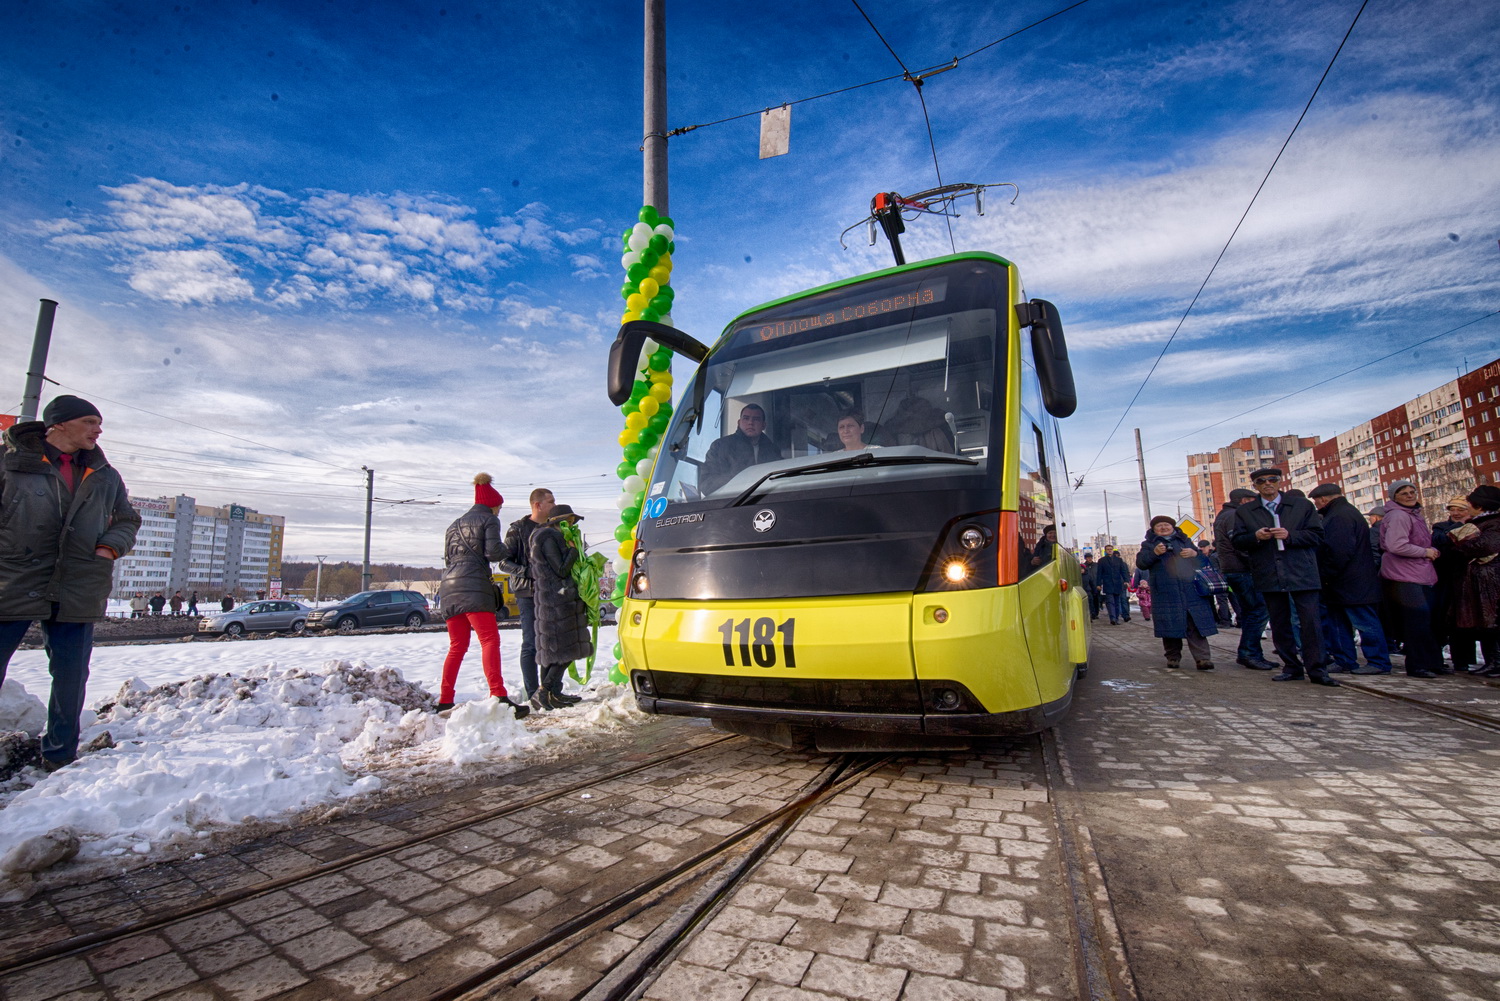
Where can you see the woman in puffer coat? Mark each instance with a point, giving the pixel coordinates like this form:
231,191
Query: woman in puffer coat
1178,611
467,593
1476,605
1408,577
562,619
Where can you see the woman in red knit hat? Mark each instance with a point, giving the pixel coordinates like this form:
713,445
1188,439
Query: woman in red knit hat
468,595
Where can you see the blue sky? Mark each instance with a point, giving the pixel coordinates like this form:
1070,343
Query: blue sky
387,234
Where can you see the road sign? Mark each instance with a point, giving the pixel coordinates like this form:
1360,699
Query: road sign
1189,527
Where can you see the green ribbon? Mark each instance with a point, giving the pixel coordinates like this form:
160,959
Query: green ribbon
586,574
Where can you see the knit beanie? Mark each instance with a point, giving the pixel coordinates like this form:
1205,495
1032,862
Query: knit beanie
1166,518
484,493
1485,497
68,408
1396,487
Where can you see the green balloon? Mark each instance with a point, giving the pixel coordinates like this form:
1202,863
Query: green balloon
672,247
634,453
660,360
649,437
658,422
668,291
619,651
650,258
626,237
625,469
648,215
637,272
651,315
623,533
640,496
630,515
619,591
627,290
660,244
665,410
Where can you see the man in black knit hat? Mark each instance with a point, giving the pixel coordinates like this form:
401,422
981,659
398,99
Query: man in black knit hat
65,517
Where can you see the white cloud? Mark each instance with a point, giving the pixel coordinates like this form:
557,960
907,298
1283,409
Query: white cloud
185,276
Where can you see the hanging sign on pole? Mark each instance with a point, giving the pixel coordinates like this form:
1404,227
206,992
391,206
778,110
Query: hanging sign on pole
775,131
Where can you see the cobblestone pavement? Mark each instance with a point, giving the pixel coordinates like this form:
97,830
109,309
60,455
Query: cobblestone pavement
1265,840
1257,841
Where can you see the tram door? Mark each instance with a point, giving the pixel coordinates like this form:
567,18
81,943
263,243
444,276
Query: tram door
1042,604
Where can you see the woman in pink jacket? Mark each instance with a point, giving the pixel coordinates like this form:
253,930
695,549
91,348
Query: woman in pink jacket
1408,577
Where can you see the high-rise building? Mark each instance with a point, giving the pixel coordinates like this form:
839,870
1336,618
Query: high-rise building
1211,475
1444,441
186,546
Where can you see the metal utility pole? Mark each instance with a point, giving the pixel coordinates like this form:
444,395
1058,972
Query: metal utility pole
364,577
1109,533
1140,462
654,146
318,587
31,403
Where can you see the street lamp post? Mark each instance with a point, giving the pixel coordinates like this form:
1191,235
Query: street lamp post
318,587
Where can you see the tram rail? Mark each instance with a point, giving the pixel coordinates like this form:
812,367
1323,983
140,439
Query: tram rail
1485,721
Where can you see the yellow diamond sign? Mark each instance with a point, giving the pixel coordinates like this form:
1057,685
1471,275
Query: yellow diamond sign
1189,527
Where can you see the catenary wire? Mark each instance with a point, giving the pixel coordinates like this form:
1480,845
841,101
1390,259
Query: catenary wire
885,79
1183,319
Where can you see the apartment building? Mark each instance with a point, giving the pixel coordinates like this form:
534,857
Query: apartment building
186,546
1211,475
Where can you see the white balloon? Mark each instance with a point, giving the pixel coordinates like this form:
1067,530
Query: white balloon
666,231
643,467
667,319
638,242
634,485
623,501
630,260
621,565
649,346
654,450
641,229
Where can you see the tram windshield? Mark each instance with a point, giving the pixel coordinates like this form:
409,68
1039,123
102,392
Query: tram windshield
886,381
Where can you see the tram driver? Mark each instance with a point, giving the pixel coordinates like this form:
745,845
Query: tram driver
748,445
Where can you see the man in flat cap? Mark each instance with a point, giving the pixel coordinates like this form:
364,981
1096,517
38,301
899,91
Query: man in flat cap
65,517
1279,535
1249,605
1351,585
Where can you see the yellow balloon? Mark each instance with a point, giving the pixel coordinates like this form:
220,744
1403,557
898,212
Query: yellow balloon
635,421
649,406
629,437
661,391
661,274
627,549
637,302
649,288
630,314
665,375
666,262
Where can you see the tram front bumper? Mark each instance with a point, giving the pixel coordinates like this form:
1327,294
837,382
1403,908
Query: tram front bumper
1015,723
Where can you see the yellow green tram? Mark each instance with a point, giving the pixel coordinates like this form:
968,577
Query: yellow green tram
807,584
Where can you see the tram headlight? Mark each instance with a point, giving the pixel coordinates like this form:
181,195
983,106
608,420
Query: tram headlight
973,537
956,571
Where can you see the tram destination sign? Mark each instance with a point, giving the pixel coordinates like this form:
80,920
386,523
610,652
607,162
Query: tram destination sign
855,307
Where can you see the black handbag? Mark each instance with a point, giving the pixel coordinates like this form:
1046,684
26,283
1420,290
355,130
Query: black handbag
1210,582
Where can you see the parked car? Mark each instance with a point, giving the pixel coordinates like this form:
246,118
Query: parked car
509,606
258,617
372,609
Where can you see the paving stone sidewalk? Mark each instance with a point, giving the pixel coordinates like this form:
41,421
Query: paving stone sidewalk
1281,840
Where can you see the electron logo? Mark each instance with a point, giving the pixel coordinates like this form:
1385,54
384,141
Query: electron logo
764,520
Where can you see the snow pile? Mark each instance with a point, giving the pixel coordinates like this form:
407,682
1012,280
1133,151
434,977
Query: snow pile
223,749
20,710
478,731
616,708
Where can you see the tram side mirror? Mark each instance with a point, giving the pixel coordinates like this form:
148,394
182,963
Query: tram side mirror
1050,351
625,353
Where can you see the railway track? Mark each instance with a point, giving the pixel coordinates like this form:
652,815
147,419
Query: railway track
1484,720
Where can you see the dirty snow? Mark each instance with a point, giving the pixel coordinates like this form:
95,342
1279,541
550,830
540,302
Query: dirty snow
211,735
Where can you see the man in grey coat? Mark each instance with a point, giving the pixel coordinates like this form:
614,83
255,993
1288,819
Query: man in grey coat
65,517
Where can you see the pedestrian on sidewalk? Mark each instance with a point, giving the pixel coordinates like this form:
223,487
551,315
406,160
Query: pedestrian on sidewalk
1090,574
1140,586
1250,607
226,603
1476,608
1114,575
64,505
469,595
1223,613
1279,535
193,605
138,606
523,584
1408,577
1450,567
1179,611
562,619
1351,586
158,602
176,602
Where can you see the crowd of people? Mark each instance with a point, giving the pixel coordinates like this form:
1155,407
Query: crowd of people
141,606
1320,574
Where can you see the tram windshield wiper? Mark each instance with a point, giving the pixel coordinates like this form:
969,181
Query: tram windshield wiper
858,461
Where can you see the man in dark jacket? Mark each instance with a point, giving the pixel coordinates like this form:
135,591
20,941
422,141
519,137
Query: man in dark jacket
748,446
65,517
523,583
1090,573
1351,585
1249,605
1279,535
1114,574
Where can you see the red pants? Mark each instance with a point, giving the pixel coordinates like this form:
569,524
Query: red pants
459,628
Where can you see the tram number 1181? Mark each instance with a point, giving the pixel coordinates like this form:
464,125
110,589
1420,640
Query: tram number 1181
758,641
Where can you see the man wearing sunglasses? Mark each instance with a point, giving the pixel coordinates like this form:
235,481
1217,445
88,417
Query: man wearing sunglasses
1280,535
